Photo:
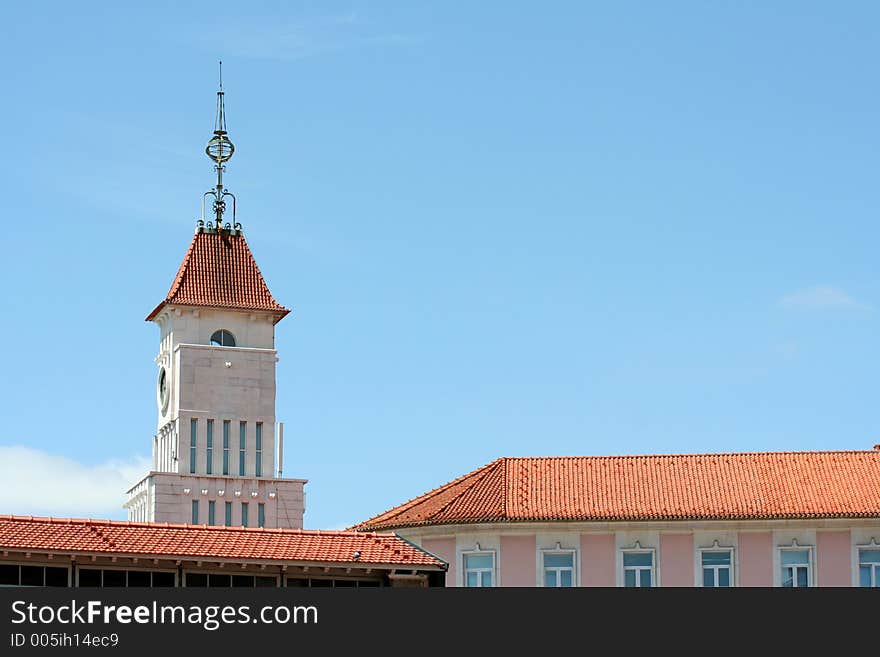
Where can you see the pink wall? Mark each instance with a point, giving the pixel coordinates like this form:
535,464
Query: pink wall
833,556
597,560
676,559
755,559
518,560
445,549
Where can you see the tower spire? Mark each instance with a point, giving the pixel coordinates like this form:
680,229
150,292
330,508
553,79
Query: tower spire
219,150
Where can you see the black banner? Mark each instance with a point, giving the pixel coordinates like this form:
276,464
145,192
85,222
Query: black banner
425,621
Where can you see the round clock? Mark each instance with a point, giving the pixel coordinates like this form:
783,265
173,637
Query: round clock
163,390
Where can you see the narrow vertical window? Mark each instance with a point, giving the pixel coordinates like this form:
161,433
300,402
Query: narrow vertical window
795,568
261,515
195,512
869,567
259,448
638,568
193,431
228,518
244,514
209,447
226,447
478,569
211,512
242,430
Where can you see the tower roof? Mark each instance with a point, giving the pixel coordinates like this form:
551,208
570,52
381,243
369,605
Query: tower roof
219,271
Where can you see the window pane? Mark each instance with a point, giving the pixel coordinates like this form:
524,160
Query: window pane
114,578
8,575
246,581
196,579
645,576
478,561
195,512
864,575
470,579
138,578
228,518
56,576
266,581
31,575
219,580
869,556
565,560
638,558
163,579
716,558
550,578
802,576
787,577
795,557
487,578
89,577
629,578
724,577
708,577
565,578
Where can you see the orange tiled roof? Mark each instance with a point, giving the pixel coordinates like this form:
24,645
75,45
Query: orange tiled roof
200,541
219,271
767,485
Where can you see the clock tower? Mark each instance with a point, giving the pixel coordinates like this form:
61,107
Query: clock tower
214,451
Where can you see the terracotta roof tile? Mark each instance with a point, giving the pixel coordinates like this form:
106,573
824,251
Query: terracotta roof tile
200,541
219,271
765,485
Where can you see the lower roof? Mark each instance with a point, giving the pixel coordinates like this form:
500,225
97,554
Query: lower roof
737,486
163,540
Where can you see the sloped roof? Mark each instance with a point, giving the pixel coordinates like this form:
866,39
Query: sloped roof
763,485
219,271
202,541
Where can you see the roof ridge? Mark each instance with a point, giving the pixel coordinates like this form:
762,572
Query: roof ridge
693,455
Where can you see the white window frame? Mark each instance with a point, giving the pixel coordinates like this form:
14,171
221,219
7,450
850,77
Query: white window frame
715,547
574,565
478,552
811,557
638,549
875,570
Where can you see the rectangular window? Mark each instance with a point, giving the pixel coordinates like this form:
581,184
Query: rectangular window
228,514
195,512
226,447
193,432
638,568
717,568
242,429
795,567
210,447
259,447
479,569
261,515
869,567
211,506
244,514
558,569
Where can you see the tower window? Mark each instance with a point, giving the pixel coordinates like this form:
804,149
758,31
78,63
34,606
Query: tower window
223,338
258,471
242,428
226,447
209,456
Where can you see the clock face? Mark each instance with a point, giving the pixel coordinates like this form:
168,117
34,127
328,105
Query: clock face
162,390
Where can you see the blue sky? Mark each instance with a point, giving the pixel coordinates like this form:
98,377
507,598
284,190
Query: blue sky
503,228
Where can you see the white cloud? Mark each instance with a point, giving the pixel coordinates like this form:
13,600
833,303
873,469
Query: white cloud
38,483
822,297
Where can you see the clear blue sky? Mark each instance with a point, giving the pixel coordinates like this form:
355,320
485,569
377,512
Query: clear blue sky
503,228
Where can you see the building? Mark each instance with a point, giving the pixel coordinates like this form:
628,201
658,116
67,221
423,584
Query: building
757,519
215,444
103,553
215,510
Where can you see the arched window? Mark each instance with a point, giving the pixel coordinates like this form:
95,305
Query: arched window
223,338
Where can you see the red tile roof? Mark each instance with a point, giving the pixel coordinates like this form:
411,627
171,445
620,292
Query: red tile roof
219,271
767,485
200,541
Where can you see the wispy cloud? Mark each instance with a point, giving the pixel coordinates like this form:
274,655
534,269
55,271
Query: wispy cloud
294,40
822,297
39,483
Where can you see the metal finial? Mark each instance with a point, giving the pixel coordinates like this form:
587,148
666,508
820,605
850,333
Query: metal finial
219,150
